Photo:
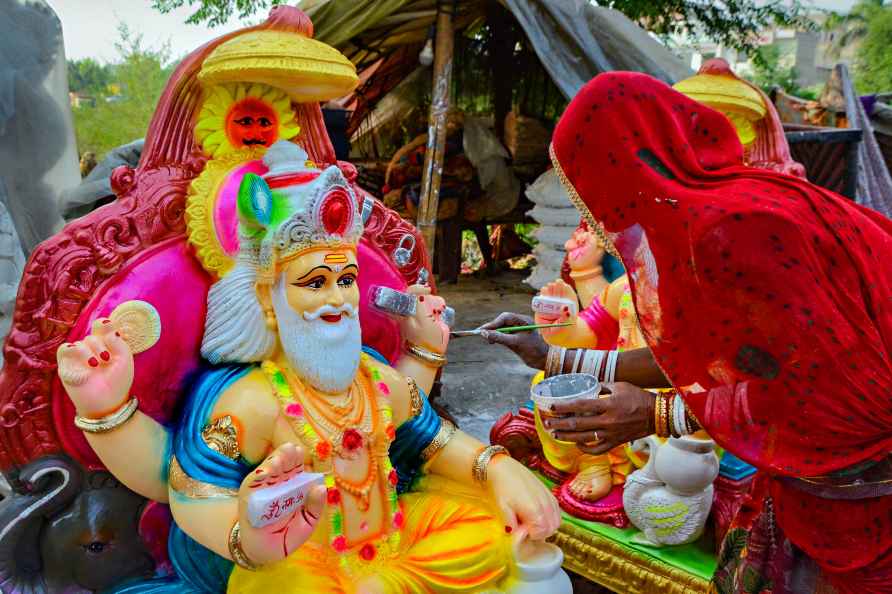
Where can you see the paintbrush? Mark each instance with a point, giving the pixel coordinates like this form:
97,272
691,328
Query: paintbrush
508,329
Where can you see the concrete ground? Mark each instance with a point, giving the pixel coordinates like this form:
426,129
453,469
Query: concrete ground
484,381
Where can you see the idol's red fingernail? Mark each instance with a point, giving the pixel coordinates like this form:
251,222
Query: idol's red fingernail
421,297
118,334
106,321
93,362
508,529
105,355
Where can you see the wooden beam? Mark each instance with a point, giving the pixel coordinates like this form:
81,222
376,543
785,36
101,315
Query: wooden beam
436,141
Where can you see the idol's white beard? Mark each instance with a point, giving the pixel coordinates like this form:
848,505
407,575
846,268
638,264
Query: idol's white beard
323,354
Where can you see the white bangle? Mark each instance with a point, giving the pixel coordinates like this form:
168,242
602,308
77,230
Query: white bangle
599,361
576,360
679,416
562,360
610,368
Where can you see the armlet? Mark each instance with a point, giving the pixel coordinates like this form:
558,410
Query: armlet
192,488
221,436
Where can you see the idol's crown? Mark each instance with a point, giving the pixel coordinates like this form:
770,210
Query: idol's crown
295,207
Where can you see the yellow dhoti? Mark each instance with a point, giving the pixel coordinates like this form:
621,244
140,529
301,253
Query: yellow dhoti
448,544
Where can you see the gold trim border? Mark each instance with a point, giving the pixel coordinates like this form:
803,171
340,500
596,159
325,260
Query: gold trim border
621,569
577,201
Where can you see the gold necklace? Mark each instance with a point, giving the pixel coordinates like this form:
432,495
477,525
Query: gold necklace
362,490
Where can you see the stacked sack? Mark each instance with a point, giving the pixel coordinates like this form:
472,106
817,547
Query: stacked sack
557,218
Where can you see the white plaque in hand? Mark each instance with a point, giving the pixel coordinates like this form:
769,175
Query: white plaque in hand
268,505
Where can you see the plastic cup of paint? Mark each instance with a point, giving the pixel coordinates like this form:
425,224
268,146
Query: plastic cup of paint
564,388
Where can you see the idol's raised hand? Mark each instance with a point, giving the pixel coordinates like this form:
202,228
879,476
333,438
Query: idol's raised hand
292,526
97,372
560,290
426,328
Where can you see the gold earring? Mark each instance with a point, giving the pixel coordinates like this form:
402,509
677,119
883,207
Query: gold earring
270,319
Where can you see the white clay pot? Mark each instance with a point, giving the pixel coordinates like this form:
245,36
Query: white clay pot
687,465
539,570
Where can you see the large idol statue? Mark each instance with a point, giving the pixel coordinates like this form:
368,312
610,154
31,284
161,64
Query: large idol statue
217,341
292,392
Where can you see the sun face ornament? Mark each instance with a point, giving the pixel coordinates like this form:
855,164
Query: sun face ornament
241,116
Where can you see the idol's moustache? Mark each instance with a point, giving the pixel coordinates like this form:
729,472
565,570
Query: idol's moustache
330,310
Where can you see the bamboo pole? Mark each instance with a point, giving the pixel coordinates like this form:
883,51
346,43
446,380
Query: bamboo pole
436,141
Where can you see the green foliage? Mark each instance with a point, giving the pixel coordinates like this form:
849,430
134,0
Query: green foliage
122,113
769,73
734,23
88,77
216,12
852,27
873,72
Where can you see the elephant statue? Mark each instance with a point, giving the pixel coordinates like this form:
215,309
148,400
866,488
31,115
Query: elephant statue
67,531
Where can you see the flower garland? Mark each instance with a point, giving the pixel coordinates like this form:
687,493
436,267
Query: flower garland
323,450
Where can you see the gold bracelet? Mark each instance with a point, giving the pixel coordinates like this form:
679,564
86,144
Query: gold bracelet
108,422
236,551
670,415
481,464
416,401
447,430
587,274
425,356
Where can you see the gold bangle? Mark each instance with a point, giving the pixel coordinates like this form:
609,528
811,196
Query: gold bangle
108,422
425,356
236,551
670,416
416,401
447,430
587,274
481,463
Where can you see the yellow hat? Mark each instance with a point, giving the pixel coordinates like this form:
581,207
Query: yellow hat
733,97
306,69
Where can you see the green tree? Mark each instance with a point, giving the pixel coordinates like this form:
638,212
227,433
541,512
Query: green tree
873,67
734,23
769,73
88,76
137,80
852,27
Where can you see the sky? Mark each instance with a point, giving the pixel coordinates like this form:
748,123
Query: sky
90,27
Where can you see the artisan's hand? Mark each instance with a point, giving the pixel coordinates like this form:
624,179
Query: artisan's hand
97,372
598,425
529,346
426,328
276,541
561,290
584,252
522,498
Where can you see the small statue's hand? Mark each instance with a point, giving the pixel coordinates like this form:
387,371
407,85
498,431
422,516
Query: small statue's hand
561,290
584,251
276,541
426,328
523,500
97,372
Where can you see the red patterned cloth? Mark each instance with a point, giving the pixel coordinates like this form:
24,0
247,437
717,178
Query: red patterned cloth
772,297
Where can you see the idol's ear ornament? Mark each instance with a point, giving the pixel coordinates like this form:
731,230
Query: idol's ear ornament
255,203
